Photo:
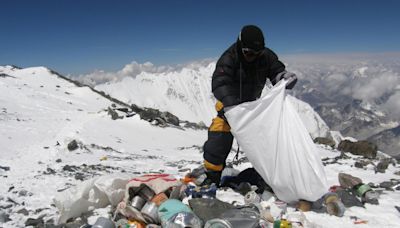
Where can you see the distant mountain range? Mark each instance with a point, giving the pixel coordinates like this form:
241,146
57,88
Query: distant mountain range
187,94
356,96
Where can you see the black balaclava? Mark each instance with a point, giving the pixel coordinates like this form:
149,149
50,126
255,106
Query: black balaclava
249,37
252,37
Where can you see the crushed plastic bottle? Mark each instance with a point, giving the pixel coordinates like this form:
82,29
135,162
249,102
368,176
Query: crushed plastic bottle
367,194
370,197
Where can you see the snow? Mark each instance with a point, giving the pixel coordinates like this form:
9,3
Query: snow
41,113
187,94
360,72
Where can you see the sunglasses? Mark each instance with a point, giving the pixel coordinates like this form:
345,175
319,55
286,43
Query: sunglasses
250,52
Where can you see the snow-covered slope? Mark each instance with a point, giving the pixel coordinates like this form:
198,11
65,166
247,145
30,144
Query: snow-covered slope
187,94
42,113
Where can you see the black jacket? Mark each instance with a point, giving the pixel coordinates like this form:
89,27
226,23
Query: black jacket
236,81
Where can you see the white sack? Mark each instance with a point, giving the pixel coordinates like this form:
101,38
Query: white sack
273,137
91,194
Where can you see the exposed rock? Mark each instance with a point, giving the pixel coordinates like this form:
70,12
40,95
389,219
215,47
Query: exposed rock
70,168
363,148
358,164
49,171
397,173
349,198
325,141
126,110
23,211
159,121
23,192
114,115
5,168
170,118
195,126
3,75
373,185
35,222
362,163
73,145
388,141
80,176
4,217
348,181
386,185
382,165
59,160
150,115
6,206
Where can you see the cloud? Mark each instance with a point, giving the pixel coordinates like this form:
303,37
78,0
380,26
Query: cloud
375,86
134,68
372,78
392,105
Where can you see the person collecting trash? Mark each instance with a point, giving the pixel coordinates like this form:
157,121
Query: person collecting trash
268,128
240,76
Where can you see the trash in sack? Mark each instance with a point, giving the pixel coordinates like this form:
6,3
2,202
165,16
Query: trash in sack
276,142
129,212
208,209
217,223
150,212
144,195
304,205
169,208
252,198
183,220
330,203
138,202
355,184
90,194
282,223
102,222
367,194
178,192
159,198
148,185
278,208
243,218
349,198
201,192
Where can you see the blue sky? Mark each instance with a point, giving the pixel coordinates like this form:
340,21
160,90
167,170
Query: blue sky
76,37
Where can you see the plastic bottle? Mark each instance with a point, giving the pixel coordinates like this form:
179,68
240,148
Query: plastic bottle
370,197
283,223
367,194
202,192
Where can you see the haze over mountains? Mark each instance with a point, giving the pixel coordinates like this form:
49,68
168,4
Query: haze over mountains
356,94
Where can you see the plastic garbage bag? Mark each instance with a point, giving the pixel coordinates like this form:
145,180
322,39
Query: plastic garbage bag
275,140
94,193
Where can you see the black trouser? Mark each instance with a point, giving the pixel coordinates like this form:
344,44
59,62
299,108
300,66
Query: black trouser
219,142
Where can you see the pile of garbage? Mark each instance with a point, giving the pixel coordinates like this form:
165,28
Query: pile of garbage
161,200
